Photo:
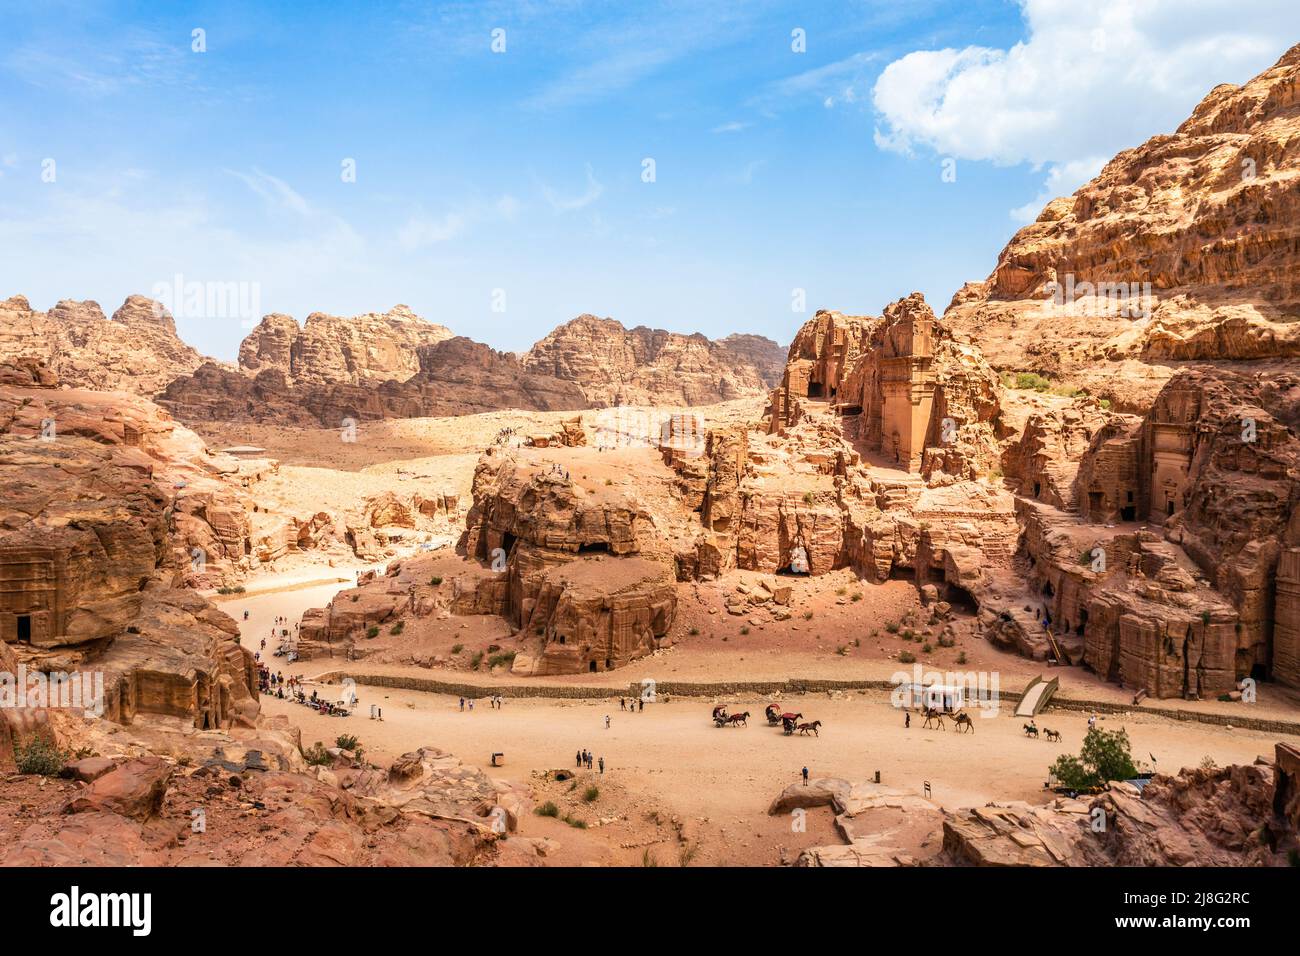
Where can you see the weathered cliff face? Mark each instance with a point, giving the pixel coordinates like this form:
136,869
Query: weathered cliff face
1233,816
454,376
136,351
329,350
590,574
618,366
1184,248
90,567
910,391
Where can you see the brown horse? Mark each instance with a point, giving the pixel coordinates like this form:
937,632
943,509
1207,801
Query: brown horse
804,728
963,722
741,719
933,714
1052,735
1031,730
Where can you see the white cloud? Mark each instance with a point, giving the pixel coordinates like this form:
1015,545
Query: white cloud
570,203
826,84
421,231
1089,80
274,191
735,126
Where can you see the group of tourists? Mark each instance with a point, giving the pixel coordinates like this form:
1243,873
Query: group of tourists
496,701
590,762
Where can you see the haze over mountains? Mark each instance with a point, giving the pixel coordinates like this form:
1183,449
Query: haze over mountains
380,365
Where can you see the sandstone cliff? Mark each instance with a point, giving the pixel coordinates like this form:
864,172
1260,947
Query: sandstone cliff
618,366
136,351
329,350
1183,248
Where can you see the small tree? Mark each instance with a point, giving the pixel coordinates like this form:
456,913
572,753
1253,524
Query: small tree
1105,756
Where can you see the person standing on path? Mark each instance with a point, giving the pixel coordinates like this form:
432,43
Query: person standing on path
579,759
907,719
607,721
602,765
805,776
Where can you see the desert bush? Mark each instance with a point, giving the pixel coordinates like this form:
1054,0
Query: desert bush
40,757
1105,756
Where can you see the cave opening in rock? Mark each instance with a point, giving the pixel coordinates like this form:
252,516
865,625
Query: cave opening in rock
596,547
815,390
25,628
1083,621
1128,513
507,543
591,666
959,597
1038,488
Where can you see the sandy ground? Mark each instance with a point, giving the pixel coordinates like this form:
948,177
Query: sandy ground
669,765
677,789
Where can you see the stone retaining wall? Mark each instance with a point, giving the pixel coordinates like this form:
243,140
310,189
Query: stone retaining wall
786,687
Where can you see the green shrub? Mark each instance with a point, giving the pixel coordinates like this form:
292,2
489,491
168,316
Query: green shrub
397,628
457,648
372,630
891,627
1032,380
348,742
906,657
1105,756
926,648
316,755
961,658
744,630
547,809
435,580
41,757
856,596
591,794
505,657
476,660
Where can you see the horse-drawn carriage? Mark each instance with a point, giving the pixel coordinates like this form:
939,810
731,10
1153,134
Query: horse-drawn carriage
789,722
722,719
773,714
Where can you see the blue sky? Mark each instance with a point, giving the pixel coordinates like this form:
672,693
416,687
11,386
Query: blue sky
522,171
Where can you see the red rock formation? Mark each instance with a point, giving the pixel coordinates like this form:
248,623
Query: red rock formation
1182,248
328,350
137,351
617,366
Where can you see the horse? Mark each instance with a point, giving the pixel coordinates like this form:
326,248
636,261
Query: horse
933,714
740,719
1053,735
963,722
804,728
1030,730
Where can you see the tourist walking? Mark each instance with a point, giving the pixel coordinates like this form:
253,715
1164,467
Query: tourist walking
579,759
907,719
602,765
607,721
462,704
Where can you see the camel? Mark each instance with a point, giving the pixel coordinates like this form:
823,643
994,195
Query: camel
963,722
1053,735
1030,730
804,728
741,719
933,714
